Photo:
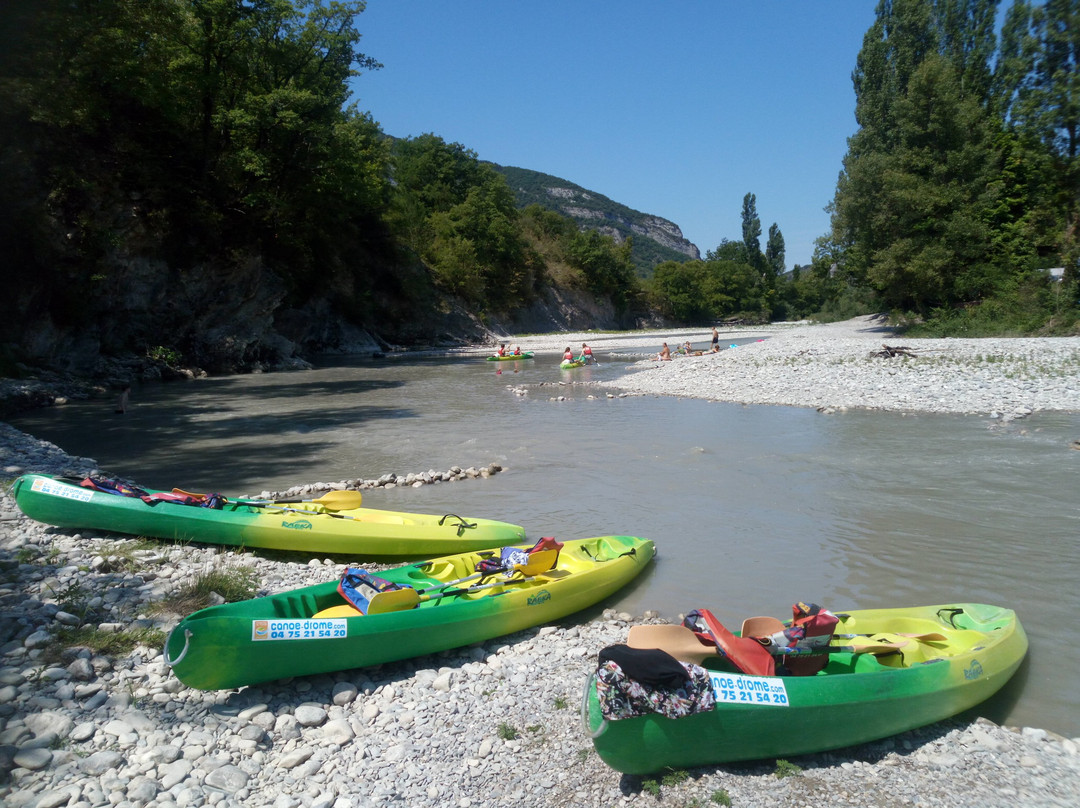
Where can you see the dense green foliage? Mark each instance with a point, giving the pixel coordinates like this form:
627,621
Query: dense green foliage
169,163
151,145
962,183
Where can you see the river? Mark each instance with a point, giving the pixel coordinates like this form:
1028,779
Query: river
751,507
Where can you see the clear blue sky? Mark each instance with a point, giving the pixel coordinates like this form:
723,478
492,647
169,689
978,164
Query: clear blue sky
675,108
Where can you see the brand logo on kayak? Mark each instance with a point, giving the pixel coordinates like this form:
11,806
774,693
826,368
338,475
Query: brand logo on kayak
299,524
543,596
974,670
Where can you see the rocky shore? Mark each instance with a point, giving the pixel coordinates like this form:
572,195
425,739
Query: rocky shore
495,724
846,365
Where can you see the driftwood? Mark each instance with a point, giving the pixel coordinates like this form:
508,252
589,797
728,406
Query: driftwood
889,351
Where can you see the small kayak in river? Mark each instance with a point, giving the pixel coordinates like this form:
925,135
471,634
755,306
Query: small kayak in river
315,629
885,671
507,357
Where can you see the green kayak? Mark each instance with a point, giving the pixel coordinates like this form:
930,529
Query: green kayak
508,357
314,629
887,671
334,523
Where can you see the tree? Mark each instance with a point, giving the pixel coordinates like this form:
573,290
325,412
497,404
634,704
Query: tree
914,205
774,251
751,228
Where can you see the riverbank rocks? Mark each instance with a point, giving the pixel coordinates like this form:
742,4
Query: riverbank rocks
390,480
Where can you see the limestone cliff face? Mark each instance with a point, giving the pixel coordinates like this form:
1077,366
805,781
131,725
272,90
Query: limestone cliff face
617,225
655,239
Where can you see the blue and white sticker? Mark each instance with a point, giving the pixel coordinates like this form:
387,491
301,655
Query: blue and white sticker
332,628
57,489
737,688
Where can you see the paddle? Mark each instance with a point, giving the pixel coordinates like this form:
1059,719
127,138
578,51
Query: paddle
537,563
767,626
931,636
332,500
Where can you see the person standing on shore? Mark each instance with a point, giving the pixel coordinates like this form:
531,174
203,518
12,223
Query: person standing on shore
715,340
122,401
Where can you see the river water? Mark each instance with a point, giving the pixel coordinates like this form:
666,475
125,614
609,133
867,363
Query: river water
751,507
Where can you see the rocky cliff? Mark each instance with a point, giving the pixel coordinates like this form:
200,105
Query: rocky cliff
655,239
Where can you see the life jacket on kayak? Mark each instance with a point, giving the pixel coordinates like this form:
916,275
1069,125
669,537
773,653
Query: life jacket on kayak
811,629
746,654
122,489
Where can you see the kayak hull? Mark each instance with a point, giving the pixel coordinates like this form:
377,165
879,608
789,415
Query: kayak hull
857,698
303,526
571,365
278,636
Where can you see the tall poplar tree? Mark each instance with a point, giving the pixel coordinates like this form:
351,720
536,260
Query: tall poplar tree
751,228
774,251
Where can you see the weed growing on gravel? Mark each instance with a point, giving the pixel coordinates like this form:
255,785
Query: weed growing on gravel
507,732
126,556
560,703
231,585
720,797
105,643
785,768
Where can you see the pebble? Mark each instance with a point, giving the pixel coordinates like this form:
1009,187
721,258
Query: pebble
490,725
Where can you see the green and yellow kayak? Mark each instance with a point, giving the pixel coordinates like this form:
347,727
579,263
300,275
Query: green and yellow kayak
567,364
507,357
316,526
947,659
304,632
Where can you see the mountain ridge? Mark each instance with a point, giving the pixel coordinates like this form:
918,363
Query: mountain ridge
656,239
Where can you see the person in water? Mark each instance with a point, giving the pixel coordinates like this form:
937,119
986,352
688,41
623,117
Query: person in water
122,400
586,353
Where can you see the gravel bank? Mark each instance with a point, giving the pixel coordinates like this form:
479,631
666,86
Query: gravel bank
491,725
834,367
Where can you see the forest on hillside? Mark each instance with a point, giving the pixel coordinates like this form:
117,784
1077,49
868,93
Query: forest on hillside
188,179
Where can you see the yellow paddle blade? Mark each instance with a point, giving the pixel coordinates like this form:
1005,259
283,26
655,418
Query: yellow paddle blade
538,562
344,610
393,600
337,500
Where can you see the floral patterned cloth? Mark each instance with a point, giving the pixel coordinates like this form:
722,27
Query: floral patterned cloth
623,697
